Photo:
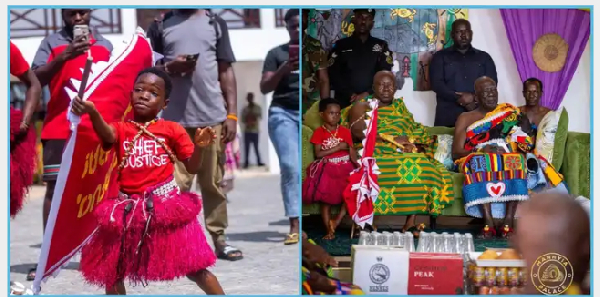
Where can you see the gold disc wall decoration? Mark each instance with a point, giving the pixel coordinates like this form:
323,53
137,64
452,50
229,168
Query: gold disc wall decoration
550,52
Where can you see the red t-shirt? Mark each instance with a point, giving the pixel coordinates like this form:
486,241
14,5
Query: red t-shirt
56,125
149,164
327,139
18,65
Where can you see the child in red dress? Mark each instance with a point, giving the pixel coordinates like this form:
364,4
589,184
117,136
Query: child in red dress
150,232
327,176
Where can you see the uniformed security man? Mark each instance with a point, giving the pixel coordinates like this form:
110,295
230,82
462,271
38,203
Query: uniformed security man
355,60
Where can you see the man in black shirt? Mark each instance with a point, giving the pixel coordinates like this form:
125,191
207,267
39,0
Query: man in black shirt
453,72
281,74
355,60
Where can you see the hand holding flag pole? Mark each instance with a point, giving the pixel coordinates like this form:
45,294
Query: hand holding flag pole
86,74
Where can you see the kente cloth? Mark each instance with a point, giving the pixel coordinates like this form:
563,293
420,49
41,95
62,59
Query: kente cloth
500,178
410,183
495,178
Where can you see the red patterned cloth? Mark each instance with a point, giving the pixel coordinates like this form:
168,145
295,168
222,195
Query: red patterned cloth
363,189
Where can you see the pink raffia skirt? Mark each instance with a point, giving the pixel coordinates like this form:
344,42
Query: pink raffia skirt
141,243
326,180
22,161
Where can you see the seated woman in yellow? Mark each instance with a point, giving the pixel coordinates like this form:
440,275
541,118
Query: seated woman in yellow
398,174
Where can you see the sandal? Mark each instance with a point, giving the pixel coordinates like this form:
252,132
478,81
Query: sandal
506,232
31,274
228,253
487,233
328,236
292,239
416,230
17,288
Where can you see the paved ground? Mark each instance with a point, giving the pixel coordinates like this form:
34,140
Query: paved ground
257,226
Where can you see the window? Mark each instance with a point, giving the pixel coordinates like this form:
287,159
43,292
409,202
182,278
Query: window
280,17
240,18
43,22
145,17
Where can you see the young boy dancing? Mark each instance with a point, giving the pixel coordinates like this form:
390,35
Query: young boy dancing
150,232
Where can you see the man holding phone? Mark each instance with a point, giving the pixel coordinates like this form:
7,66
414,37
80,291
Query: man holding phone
281,75
60,58
198,56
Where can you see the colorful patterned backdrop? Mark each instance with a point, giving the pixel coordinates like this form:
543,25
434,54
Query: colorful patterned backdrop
412,34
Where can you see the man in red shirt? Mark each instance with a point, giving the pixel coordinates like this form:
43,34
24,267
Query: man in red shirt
59,59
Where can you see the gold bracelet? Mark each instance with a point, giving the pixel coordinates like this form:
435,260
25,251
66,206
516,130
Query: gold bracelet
232,117
361,118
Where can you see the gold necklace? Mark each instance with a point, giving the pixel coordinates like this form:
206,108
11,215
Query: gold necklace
335,140
334,135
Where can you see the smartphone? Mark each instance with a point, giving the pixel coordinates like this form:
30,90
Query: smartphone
294,52
192,58
79,30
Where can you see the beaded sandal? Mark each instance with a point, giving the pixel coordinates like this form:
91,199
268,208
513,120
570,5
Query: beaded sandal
416,230
507,231
487,233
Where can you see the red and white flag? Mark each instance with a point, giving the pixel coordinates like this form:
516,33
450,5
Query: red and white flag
88,173
363,189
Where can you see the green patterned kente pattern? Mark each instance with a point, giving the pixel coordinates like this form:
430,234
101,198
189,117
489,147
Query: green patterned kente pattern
410,183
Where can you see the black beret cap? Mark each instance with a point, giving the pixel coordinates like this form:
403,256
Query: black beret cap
367,10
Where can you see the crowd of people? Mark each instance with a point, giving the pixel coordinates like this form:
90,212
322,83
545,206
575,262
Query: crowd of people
187,105
493,147
493,143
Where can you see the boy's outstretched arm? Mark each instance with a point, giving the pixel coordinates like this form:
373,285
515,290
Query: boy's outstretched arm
105,132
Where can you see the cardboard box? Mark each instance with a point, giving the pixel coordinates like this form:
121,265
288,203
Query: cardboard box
435,274
496,263
380,270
